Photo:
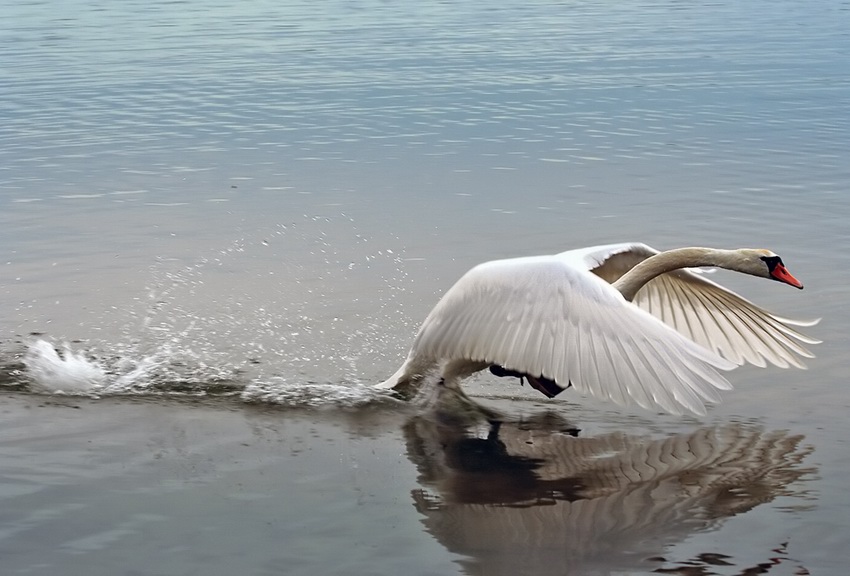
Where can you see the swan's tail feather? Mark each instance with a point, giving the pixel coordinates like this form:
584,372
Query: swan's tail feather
406,381
396,380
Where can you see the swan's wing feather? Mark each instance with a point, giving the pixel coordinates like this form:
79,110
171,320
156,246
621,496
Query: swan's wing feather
609,261
723,321
704,311
545,317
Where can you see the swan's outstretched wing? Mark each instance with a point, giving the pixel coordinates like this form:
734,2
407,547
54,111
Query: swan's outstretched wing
707,313
544,317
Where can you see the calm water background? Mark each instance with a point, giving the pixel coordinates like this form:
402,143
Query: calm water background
260,202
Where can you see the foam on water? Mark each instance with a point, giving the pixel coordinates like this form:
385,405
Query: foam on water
281,392
70,372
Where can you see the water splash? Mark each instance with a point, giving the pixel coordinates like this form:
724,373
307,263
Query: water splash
51,371
69,372
296,315
314,300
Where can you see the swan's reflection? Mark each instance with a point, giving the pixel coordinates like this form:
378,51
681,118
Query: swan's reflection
532,497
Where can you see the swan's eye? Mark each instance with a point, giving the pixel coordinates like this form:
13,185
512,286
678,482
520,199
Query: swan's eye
772,262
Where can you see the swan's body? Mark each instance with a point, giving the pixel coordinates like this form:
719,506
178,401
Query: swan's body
622,322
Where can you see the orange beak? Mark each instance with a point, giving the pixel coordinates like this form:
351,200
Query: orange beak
781,273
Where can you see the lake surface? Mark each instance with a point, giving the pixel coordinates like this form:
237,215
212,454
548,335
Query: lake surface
239,214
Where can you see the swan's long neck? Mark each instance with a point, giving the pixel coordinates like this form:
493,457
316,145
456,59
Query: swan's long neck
633,280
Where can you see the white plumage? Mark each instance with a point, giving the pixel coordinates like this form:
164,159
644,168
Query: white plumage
560,318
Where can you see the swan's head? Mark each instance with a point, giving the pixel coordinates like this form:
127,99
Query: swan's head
766,264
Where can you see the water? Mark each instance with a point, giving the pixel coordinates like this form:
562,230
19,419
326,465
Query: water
236,216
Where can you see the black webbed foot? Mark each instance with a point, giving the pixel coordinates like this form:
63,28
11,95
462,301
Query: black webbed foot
547,387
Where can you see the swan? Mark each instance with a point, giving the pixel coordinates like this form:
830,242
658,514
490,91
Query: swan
622,322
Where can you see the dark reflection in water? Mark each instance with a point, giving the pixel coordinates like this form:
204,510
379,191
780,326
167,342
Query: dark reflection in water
536,497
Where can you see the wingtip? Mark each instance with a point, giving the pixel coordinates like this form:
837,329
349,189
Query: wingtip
793,322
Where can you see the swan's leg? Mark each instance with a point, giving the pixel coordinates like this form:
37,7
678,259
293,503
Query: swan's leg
493,433
451,406
503,372
544,385
449,398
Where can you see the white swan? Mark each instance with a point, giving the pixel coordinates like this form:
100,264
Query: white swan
622,322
